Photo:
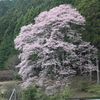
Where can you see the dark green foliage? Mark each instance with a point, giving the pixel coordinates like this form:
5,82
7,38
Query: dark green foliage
91,11
29,94
33,57
17,76
93,24
3,8
33,93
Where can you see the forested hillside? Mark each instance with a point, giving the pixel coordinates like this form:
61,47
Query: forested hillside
16,13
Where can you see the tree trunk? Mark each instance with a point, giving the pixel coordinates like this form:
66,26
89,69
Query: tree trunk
98,79
90,75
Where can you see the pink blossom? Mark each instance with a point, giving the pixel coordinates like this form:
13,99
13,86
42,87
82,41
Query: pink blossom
57,47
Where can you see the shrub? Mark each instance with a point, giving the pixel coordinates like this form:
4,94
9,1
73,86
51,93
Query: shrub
82,86
62,95
40,95
17,76
33,93
29,93
66,93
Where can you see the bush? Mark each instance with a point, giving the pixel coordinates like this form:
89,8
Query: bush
40,95
82,86
62,95
17,76
66,93
33,93
29,93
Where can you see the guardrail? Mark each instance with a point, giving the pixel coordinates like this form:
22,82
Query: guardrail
13,92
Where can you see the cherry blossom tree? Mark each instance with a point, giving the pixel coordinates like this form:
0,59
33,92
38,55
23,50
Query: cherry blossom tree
53,45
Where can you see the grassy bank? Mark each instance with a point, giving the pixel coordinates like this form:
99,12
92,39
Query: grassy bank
79,87
7,87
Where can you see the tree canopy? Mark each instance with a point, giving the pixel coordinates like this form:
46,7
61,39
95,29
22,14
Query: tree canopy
46,51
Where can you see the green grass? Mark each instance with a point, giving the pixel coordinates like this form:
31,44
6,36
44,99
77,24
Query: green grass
80,87
9,84
89,89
